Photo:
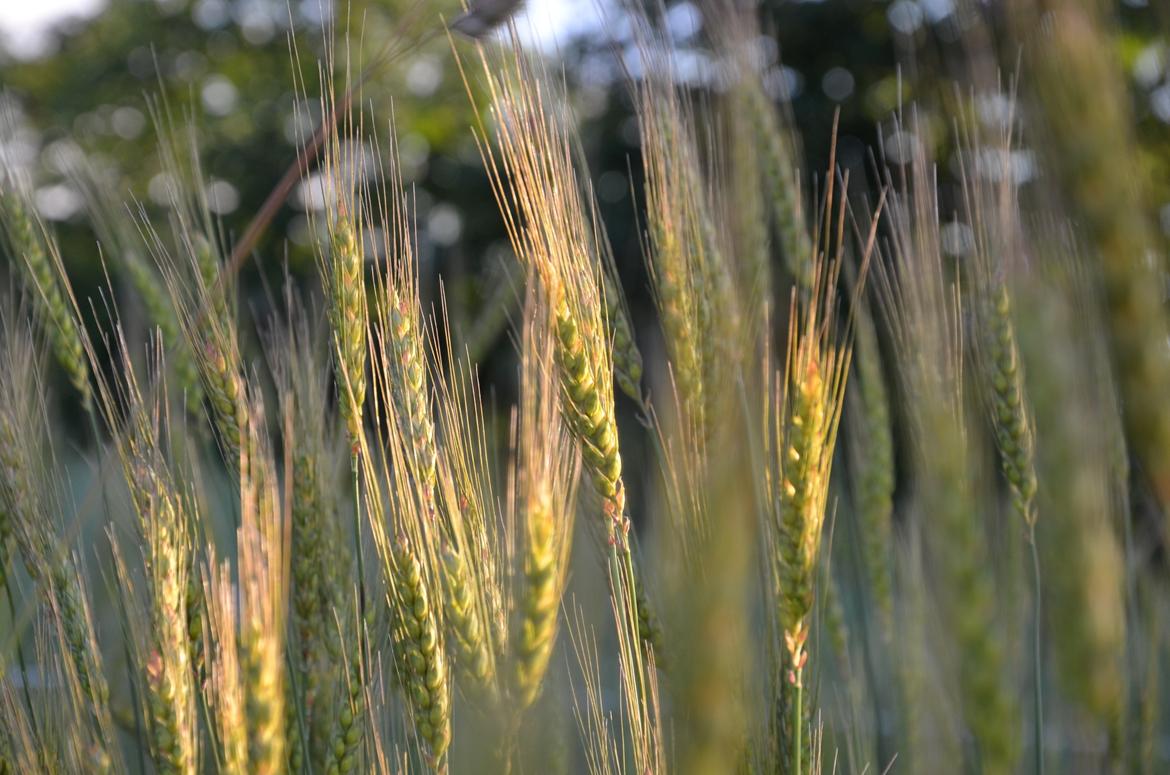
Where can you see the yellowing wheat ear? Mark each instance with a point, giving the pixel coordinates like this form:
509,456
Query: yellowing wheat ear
803,420
554,229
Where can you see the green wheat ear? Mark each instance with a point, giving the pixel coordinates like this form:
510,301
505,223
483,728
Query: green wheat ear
36,252
347,297
418,646
534,627
473,660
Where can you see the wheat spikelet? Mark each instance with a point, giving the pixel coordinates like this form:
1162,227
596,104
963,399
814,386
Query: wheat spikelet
212,339
189,265
472,552
317,568
167,641
225,691
169,670
405,369
674,202
535,627
740,201
694,282
804,421
401,338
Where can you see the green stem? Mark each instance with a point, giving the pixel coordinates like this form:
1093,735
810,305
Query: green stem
1037,685
357,539
797,726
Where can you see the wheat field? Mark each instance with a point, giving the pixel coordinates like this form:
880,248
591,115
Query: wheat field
896,468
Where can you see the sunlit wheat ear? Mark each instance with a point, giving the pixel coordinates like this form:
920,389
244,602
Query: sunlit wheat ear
262,549
225,690
805,412
160,620
408,540
347,728
473,557
419,647
342,253
34,250
674,209
403,372
468,632
162,615
552,229
534,168
547,467
212,339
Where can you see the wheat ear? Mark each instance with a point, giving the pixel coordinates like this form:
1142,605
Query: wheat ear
421,655
35,251
469,637
780,170
547,472
347,296
873,467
